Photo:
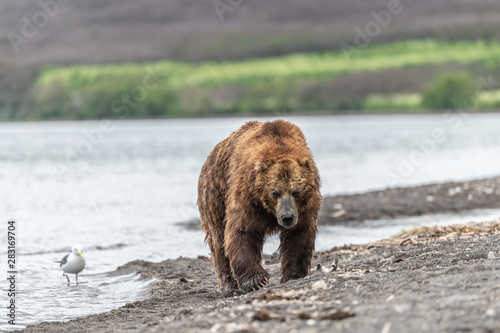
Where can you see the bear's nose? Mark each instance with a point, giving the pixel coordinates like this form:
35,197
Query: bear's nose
287,219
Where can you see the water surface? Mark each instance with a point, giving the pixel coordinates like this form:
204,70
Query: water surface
122,188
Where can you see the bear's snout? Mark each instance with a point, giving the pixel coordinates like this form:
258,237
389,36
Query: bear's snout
287,219
287,212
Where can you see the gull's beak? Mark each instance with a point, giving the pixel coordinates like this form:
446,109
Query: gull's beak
80,254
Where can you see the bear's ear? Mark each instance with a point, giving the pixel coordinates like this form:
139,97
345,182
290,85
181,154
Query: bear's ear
305,163
262,166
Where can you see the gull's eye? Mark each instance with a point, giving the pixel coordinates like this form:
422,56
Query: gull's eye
296,193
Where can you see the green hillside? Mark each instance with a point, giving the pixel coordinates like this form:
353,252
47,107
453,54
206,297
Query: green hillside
90,57
293,83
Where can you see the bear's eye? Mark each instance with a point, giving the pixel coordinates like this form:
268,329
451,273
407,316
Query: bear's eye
296,193
276,195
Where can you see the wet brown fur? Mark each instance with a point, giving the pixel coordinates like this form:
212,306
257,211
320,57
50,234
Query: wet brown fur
246,178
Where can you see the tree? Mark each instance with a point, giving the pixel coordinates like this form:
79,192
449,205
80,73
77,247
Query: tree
450,91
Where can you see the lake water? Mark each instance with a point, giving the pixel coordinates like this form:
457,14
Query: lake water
122,188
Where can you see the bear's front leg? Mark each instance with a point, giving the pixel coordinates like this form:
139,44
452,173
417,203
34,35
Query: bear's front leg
296,251
244,250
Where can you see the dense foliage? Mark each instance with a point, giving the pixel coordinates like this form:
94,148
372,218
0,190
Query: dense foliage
451,91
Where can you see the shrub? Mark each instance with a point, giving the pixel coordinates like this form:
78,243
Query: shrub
450,91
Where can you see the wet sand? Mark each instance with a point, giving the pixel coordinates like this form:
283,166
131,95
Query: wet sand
441,279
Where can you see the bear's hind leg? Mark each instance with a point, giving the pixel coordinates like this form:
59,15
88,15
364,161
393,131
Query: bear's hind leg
221,262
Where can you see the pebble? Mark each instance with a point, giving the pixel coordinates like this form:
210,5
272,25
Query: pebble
387,327
310,322
319,285
215,328
491,255
335,264
454,191
230,327
325,269
488,190
390,298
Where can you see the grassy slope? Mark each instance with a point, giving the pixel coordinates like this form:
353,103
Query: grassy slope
190,31
316,65
268,85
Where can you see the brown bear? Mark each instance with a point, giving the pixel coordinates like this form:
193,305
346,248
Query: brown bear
260,180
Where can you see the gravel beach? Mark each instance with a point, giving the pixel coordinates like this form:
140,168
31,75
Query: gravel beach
450,197
432,279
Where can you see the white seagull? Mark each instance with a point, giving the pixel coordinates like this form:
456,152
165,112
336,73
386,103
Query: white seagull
73,262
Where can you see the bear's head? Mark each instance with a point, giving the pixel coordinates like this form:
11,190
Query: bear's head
287,188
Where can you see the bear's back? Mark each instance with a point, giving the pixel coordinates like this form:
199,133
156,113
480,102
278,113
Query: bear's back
255,133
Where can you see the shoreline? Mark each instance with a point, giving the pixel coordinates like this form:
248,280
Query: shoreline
448,197
346,113
442,279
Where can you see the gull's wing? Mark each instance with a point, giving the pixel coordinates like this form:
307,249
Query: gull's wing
63,261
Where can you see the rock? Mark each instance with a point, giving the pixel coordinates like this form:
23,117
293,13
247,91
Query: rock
491,256
263,315
338,213
325,269
319,285
454,191
335,264
230,327
489,191
310,322
387,327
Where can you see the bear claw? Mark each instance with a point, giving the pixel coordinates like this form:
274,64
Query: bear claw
255,283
